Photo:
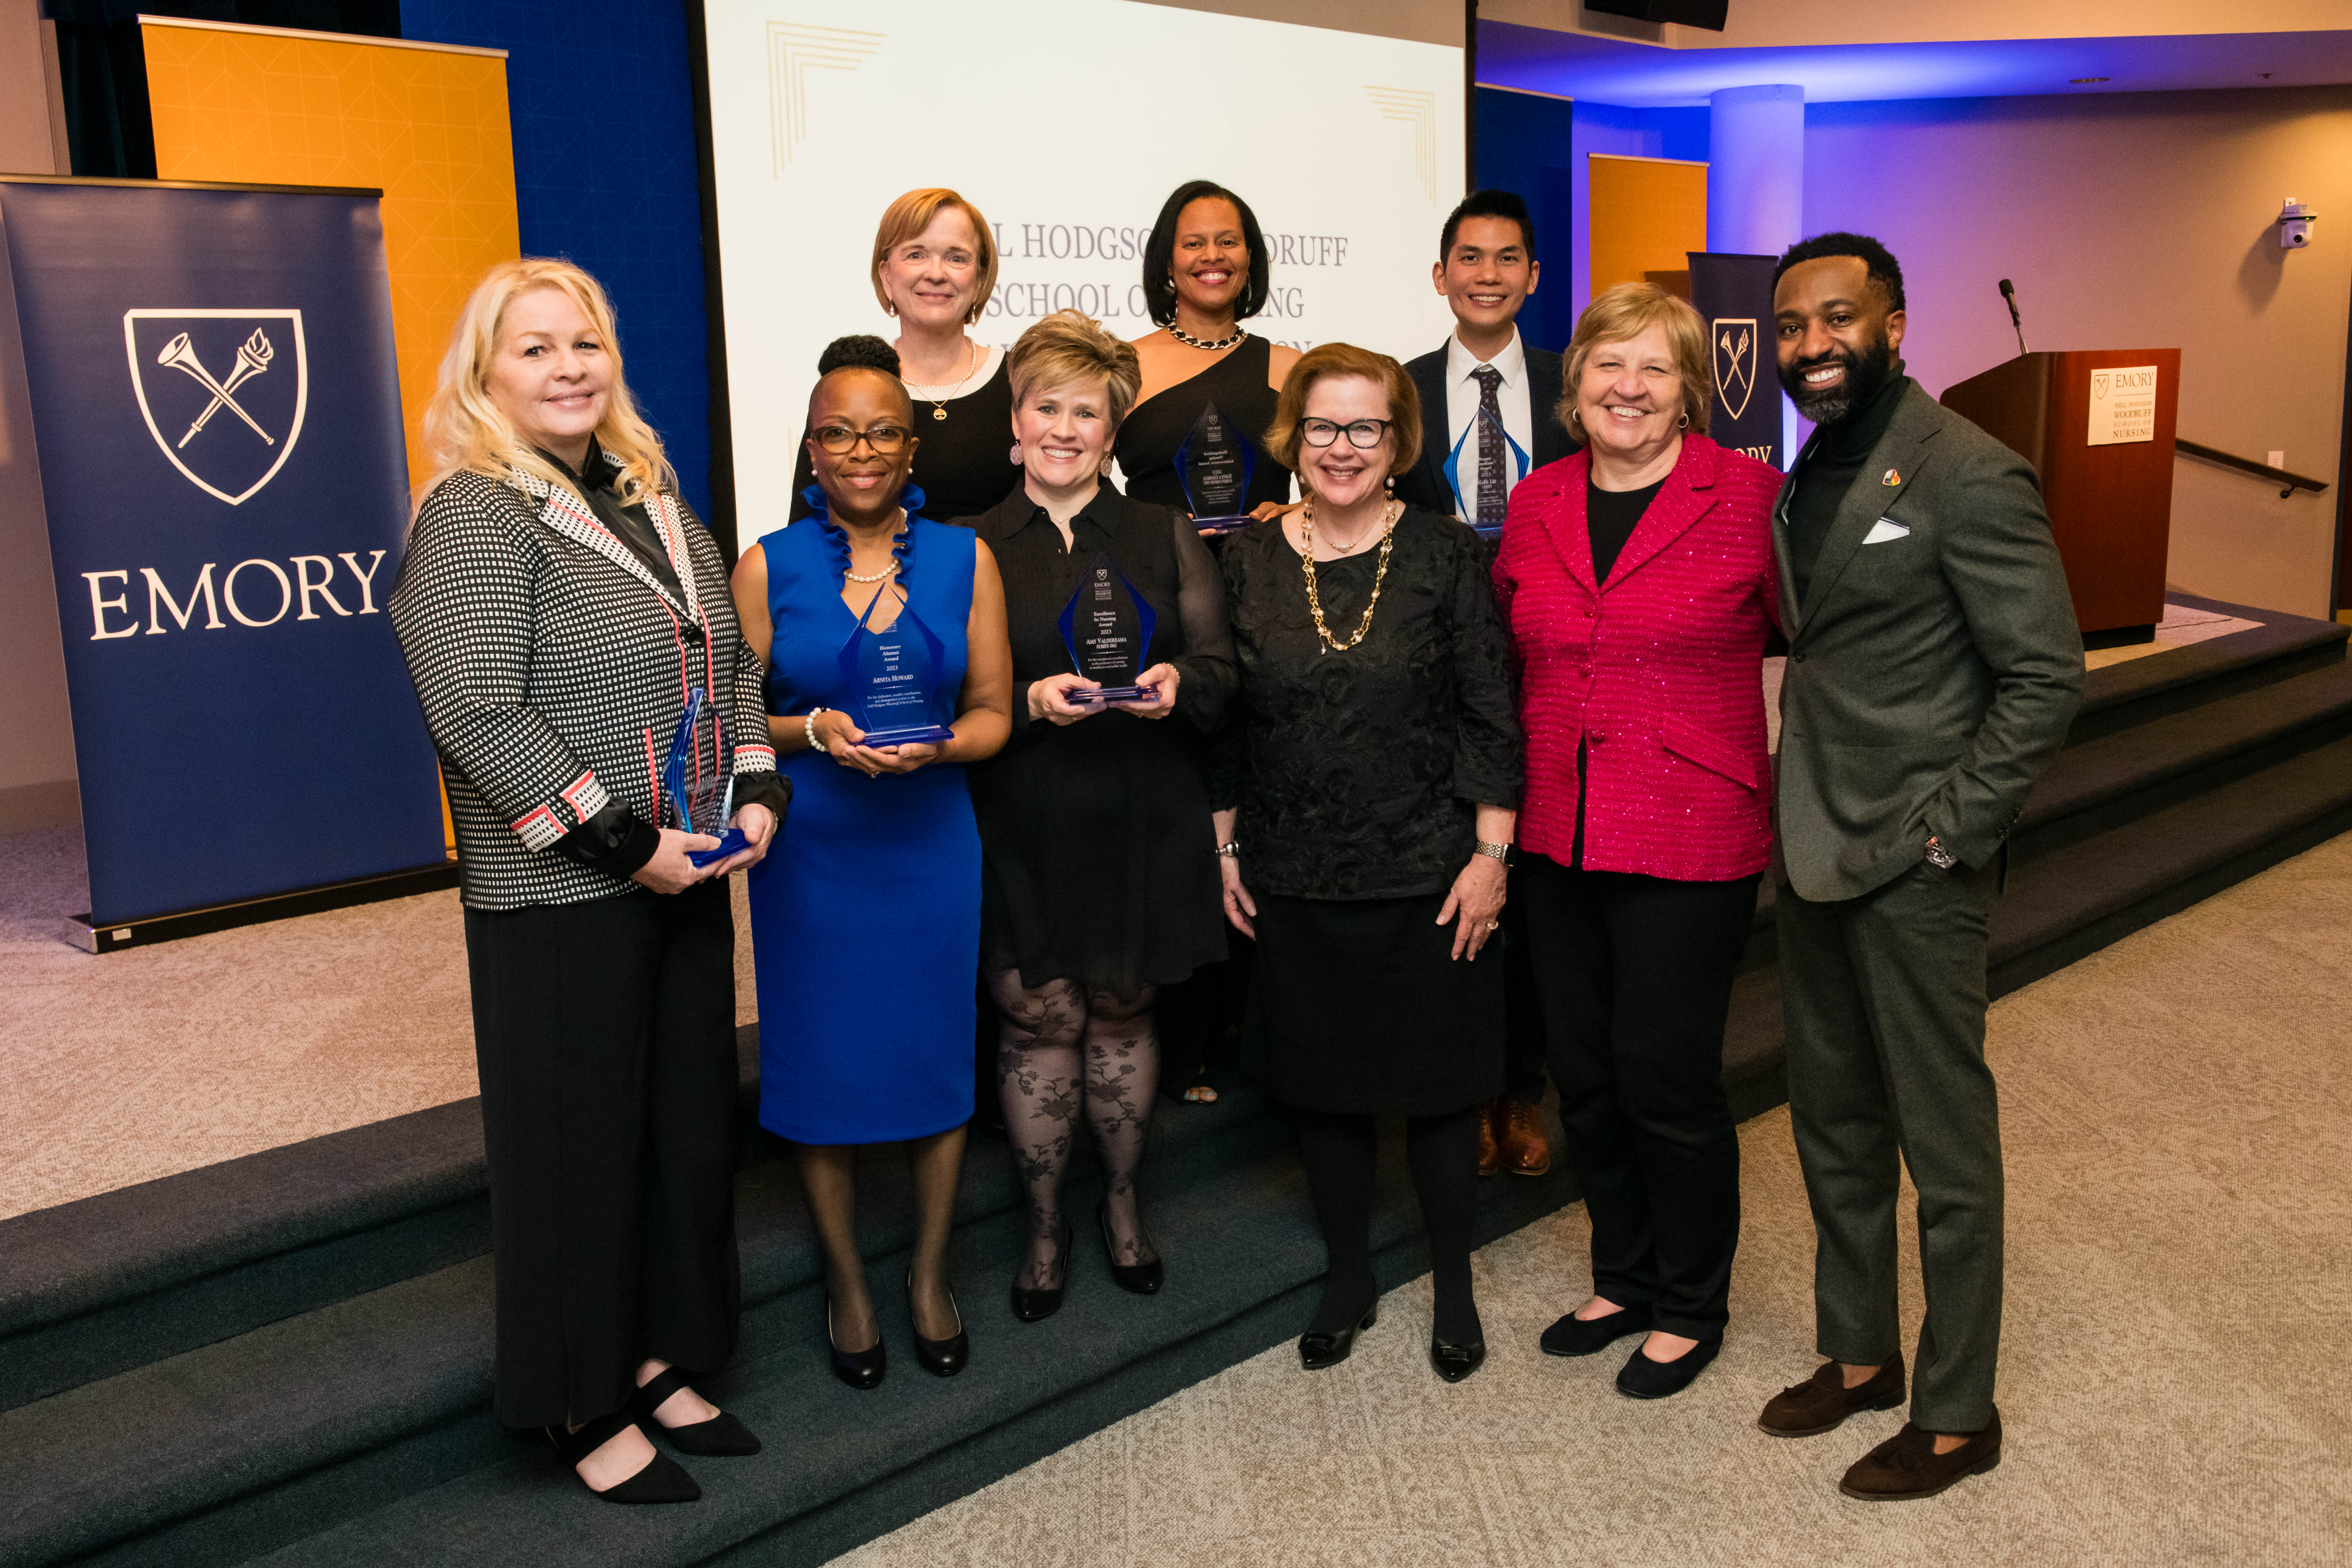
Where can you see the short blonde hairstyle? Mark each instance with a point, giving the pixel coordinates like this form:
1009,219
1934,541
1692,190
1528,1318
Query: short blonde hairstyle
1069,348
906,219
466,432
1623,312
1283,439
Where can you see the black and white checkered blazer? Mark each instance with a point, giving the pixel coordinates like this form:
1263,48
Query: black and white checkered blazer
553,666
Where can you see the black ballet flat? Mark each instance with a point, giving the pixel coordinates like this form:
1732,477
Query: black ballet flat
1036,1306
663,1479
1646,1379
1318,1350
940,1358
862,1369
1453,1363
1574,1336
722,1437
1142,1278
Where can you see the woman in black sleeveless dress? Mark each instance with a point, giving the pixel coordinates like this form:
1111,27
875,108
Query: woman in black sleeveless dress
1204,272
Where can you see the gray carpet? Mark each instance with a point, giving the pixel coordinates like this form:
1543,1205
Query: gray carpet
2177,1112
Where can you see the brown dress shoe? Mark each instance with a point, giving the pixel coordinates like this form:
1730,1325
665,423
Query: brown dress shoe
1824,1400
1490,1147
1526,1151
1906,1465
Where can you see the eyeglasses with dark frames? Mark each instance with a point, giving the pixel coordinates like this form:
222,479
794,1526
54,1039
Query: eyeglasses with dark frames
841,440
1362,434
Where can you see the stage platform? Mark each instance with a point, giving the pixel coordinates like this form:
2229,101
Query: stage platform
285,1356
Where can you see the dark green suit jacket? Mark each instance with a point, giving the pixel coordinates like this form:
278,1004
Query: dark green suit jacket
1934,666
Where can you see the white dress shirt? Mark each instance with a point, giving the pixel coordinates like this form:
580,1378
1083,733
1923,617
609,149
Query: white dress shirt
1512,397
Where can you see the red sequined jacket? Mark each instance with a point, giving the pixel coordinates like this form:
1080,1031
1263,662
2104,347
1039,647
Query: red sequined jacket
1656,673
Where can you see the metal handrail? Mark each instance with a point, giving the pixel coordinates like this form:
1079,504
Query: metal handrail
2293,482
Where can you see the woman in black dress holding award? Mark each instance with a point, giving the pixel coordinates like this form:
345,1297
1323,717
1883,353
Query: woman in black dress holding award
1097,885
1196,438
1367,792
934,268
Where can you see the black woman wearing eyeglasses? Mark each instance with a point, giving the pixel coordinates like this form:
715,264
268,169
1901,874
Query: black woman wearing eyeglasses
1365,791
868,936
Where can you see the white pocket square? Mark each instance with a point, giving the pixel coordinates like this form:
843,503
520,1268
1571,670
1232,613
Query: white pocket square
1885,529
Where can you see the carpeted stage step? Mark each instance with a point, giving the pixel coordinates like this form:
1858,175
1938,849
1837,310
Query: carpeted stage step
288,1354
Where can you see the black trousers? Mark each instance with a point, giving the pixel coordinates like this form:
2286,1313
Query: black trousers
606,1035
1633,976
1523,1047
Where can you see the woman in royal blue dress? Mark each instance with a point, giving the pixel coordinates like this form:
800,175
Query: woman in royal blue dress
867,925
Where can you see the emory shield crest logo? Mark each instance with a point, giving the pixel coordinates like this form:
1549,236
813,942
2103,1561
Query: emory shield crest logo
223,392
2099,379
1735,362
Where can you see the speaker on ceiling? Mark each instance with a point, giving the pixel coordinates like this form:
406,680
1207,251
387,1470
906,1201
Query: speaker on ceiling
1707,14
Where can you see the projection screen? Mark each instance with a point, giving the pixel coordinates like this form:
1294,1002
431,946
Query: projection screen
1066,122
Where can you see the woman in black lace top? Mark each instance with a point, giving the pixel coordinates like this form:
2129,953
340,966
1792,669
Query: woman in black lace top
1097,884
1366,792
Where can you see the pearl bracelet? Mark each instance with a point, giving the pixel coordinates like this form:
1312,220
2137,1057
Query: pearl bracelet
808,728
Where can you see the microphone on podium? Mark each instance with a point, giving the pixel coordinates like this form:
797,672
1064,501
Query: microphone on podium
2009,292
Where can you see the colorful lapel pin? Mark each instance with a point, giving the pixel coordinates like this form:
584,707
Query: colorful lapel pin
1892,479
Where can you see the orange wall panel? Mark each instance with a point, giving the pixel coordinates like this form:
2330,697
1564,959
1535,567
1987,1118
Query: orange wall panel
1643,214
428,126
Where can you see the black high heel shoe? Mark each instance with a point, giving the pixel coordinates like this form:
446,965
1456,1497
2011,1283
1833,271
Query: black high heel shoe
1143,1279
862,1369
1318,1350
1455,1362
940,1358
721,1436
1036,1306
663,1479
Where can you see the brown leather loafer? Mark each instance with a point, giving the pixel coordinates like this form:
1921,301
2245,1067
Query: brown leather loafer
1906,1465
1824,1400
1526,1151
1490,1147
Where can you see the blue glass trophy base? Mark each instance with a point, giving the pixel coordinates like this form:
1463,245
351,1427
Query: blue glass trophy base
1121,694
909,735
731,842
1224,524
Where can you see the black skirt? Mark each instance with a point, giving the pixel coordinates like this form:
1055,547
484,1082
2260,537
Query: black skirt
1357,1006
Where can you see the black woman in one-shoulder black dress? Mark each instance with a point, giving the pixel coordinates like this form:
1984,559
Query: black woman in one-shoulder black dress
1157,428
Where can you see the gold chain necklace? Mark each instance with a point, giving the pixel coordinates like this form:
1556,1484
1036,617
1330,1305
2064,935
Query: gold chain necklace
940,405
1379,574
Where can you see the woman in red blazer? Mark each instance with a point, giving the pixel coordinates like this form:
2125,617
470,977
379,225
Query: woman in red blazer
1637,579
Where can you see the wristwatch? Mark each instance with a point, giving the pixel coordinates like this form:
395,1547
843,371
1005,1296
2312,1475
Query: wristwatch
1495,851
1938,856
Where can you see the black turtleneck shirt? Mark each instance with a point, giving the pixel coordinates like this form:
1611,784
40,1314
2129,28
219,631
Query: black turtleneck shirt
1830,471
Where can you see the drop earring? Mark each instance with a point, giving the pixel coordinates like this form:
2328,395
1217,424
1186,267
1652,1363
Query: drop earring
1015,459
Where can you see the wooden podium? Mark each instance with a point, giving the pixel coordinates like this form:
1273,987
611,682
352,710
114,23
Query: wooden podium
2101,438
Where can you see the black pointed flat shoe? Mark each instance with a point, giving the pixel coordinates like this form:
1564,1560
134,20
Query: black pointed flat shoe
1453,1363
1034,1306
940,1358
1574,1335
1142,1278
721,1436
1318,1350
663,1479
1646,1379
862,1369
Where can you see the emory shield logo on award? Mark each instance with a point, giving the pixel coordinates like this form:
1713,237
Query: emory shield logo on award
1735,362
2099,384
223,392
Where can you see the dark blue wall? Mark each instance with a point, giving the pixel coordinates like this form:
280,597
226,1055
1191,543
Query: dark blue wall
602,97
1522,143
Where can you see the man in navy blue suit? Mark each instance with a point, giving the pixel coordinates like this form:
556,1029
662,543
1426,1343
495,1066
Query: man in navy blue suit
1487,401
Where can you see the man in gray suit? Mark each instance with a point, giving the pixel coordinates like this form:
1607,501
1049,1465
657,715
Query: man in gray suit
1934,666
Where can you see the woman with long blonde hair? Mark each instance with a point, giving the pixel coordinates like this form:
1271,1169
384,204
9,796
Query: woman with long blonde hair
564,614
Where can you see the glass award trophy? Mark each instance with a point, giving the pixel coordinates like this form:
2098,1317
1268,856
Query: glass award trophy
890,680
1214,465
699,780
1106,626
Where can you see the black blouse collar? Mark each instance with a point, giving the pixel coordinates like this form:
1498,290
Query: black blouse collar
1017,512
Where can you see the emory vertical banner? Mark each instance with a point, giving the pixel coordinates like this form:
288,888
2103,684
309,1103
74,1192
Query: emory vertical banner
211,380
1733,294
